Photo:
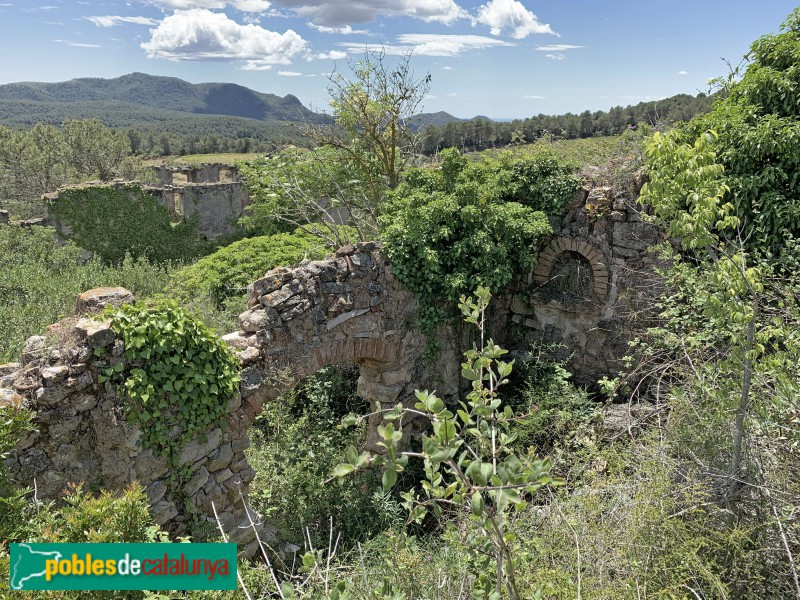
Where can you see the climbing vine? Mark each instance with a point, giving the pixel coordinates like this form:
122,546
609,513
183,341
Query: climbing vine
468,225
113,221
179,377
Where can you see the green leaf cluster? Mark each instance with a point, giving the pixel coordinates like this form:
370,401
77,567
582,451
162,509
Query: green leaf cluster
179,377
228,271
755,134
469,460
40,278
113,221
463,225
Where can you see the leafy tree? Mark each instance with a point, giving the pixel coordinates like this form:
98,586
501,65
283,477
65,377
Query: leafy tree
359,156
315,191
468,460
726,186
371,110
756,128
94,150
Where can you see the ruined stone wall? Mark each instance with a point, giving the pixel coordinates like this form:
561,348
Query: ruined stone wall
202,173
593,281
348,308
593,288
216,206
212,194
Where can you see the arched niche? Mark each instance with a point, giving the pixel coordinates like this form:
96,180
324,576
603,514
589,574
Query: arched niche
575,261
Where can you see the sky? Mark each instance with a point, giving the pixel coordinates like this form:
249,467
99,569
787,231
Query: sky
499,58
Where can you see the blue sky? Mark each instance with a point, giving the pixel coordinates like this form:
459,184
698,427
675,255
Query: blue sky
500,58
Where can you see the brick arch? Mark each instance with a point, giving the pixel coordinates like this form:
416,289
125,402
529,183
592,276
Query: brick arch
561,244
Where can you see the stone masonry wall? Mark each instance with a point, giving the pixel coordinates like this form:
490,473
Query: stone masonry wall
348,308
592,285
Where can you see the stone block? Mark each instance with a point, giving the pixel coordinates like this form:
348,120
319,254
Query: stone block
195,449
95,333
257,319
97,299
163,511
156,491
197,481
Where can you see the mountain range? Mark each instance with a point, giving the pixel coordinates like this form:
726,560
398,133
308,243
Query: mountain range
129,100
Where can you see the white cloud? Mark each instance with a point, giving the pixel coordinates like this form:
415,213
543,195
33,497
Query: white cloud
512,15
534,97
434,44
345,30
200,34
290,74
555,56
336,13
111,21
242,5
447,68
682,73
78,44
557,47
332,55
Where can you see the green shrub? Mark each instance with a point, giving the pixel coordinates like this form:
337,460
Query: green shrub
228,271
452,230
106,518
179,374
295,444
113,221
40,279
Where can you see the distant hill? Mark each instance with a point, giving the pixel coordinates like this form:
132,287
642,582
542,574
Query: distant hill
439,119
82,98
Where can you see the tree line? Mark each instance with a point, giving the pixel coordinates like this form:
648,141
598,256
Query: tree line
481,133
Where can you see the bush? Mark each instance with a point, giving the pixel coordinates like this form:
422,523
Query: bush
452,230
114,221
228,271
40,279
295,444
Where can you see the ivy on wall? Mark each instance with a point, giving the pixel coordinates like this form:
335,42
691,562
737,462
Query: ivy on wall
465,225
179,378
114,220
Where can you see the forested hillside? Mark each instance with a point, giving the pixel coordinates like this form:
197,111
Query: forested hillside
481,133
140,89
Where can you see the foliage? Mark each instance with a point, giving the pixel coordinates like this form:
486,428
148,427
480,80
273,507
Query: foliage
755,131
481,133
229,270
82,517
117,220
93,150
554,417
469,465
105,518
371,110
450,229
40,279
179,374
358,157
313,190
726,184
295,444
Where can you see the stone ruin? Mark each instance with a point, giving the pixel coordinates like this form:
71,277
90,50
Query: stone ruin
211,193
593,280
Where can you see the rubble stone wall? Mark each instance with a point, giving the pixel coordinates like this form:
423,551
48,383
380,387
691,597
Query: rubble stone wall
593,280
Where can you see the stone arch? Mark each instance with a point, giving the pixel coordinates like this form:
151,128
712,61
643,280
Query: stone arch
349,307
565,244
